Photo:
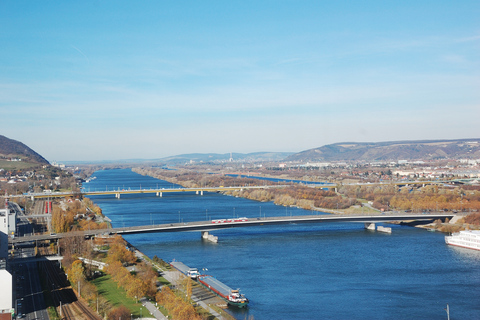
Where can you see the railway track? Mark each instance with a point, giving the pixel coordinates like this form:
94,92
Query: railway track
63,296
67,313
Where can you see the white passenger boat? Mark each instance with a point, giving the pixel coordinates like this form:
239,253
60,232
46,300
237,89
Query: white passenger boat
466,239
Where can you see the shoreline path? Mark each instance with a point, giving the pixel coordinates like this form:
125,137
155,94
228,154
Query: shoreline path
200,295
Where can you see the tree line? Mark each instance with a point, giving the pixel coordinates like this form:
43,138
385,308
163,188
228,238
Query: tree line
76,215
423,198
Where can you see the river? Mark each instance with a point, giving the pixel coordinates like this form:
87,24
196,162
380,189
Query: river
314,271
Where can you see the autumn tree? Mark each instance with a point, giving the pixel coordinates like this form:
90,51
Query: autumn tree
178,308
119,252
76,273
72,246
121,312
149,276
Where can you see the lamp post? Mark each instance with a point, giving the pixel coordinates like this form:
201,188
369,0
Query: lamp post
447,309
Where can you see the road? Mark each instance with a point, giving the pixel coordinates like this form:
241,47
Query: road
28,292
27,289
250,222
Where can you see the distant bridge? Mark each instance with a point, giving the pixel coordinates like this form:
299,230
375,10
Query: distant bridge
230,223
159,192
200,190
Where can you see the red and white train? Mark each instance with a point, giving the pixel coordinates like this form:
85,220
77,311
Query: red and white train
243,219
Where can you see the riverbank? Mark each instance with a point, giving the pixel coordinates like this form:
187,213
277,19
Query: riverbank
205,305
200,296
456,224
250,258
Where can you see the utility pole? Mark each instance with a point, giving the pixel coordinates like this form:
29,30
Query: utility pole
447,309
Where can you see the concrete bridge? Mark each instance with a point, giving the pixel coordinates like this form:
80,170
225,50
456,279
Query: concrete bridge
200,190
120,191
35,259
211,225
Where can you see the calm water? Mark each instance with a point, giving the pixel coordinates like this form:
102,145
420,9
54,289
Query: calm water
322,271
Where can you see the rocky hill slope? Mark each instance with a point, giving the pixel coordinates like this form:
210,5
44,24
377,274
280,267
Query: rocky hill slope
396,150
14,149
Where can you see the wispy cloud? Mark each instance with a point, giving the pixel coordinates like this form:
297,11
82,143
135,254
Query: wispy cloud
455,59
81,52
468,39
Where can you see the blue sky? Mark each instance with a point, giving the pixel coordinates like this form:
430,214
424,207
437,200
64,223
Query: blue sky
98,80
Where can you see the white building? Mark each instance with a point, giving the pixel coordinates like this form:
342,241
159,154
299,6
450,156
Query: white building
6,297
6,293
4,233
12,222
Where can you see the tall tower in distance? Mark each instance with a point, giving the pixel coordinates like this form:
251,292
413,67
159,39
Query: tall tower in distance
231,157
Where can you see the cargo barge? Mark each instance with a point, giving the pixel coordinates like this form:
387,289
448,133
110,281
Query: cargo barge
186,270
232,297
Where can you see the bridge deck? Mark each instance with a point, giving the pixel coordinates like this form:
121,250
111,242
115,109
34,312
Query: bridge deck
251,222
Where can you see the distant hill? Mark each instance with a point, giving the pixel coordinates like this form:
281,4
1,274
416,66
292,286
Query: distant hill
216,157
192,157
14,149
396,150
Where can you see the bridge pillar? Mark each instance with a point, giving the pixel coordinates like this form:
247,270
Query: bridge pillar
160,194
370,226
209,237
201,192
117,195
196,192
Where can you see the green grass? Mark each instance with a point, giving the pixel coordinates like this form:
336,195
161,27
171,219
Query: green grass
52,313
17,165
163,281
117,296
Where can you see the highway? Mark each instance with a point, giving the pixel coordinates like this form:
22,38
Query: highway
28,292
251,222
